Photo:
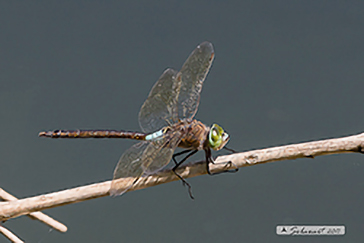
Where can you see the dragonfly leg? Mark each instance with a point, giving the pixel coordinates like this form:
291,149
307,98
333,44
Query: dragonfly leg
229,149
178,154
184,182
210,159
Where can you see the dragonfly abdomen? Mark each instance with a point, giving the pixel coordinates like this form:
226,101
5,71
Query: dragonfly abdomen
92,134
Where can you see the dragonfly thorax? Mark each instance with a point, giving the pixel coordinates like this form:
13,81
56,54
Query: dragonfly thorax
195,135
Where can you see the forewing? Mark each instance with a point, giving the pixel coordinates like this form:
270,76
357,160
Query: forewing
159,109
191,78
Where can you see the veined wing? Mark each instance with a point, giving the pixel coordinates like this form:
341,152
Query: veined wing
159,109
191,78
156,158
144,158
128,166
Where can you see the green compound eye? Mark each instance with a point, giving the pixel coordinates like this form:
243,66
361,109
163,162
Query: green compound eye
217,137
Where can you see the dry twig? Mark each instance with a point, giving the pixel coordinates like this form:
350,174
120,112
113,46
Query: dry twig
36,215
304,150
8,234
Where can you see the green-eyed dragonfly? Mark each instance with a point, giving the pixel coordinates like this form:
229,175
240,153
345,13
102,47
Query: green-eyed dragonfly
166,119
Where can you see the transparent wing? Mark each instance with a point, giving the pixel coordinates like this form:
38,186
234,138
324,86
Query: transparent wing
163,156
143,158
159,109
191,78
128,166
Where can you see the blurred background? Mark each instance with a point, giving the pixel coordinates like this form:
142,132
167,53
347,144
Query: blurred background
284,72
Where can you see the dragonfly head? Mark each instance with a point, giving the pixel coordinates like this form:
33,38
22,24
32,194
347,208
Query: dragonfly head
217,137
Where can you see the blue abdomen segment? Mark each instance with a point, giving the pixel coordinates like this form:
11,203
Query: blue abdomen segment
155,136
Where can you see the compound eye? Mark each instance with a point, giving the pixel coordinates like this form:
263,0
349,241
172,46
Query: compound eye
217,137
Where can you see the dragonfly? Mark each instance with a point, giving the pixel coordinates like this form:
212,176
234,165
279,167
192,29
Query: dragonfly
167,121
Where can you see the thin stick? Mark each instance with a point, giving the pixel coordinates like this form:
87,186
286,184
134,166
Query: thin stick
8,234
349,144
36,215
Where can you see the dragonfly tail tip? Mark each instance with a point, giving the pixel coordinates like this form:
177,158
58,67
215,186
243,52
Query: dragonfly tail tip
42,134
